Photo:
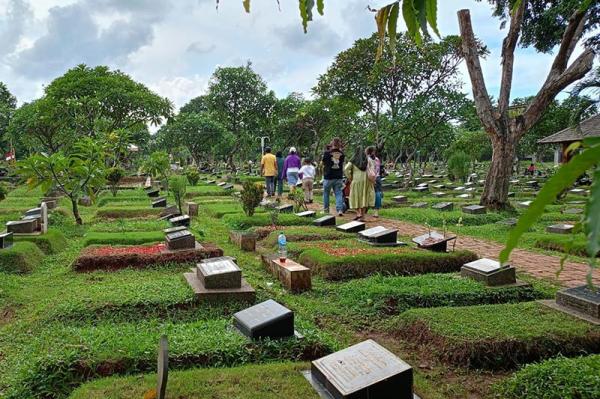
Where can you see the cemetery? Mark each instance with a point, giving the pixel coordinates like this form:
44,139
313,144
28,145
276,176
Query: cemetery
392,231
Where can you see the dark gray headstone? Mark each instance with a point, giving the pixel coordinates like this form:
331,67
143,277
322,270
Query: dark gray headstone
159,203
578,191
228,186
443,206
438,194
433,241
6,240
560,228
474,209
573,211
352,227
163,368
153,193
511,194
306,214
439,186
174,229
183,220
581,299
34,212
421,189
217,274
285,208
379,236
400,199
222,184
182,239
362,371
25,226
327,220
419,205
268,319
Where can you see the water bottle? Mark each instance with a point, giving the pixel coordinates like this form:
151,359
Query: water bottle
282,241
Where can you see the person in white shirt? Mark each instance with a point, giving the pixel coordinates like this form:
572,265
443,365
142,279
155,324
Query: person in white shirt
307,171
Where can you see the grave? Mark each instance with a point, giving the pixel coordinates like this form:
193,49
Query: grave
489,272
474,209
182,239
560,228
183,220
169,212
285,208
306,214
25,226
459,188
293,276
327,220
37,219
438,194
352,227
511,194
222,184
245,240
582,300
510,222
578,191
365,370
400,199
573,211
463,196
34,212
433,241
443,206
267,319
159,203
380,236
439,186
210,182
419,205
532,183
470,189
192,208
51,202
421,189
524,204
228,186
6,240
153,192
514,181
174,229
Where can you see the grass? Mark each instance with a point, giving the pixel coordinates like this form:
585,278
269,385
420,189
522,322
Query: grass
123,238
52,242
239,221
438,218
127,212
22,257
269,381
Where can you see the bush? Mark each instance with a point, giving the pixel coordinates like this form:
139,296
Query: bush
562,243
458,165
560,378
241,222
3,191
50,243
193,176
251,196
113,177
117,212
123,238
178,186
436,218
21,258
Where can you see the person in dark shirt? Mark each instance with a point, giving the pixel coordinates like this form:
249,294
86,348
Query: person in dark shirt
333,174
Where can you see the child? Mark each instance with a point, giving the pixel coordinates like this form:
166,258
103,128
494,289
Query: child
307,171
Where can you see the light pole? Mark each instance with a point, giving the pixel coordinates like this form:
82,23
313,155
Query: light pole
262,144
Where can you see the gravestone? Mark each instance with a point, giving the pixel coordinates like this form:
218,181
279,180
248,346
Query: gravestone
267,319
153,192
580,299
306,214
463,196
443,206
470,190
37,219
183,220
419,205
285,208
421,189
210,182
183,239
573,211
222,184
159,203
245,240
524,204
352,227
169,212
438,194
219,273
192,208
439,186
44,208
379,236
174,229
532,183
34,212
25,226
51,203
578,191
327,220
228,186
511,194
6,240
560,228
294,276
362,371
163,368
474,209
489,272
433,241
400,199
510,222
514,181
459,188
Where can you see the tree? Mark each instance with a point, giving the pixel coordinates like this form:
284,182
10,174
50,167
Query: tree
157,165
589,85
541,26
178,186
77,172
113,177
8,104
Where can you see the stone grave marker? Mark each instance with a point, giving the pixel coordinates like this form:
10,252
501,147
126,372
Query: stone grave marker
327,220
469,184
163,368
182,239
222,184
25,226
400,199
183,220
228,186
379,236
433,241
463,196
576,202
532,183
459,188
443,206
285,208
427,176
573,211
159,203
510,222
267,319
44,213
560,228
34,212
511,194
169,212
153,193
421,189
306,214
352,227
365,370
245,240
578,191
221,273
474,209
37,219
489,272
192,208
439,186
438,194
6,240
174,229
419,205
218,280
294,276
580,299
470,190
514,181
524,204
210,182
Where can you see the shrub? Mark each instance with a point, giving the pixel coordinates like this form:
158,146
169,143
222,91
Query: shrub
242,222
113,177
193,176
50,243
178,186
21,258
458,165
251,196
3,191
562,243
118,212
560,378
122,238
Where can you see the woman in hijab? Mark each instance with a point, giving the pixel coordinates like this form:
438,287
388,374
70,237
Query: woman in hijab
291,167
362,191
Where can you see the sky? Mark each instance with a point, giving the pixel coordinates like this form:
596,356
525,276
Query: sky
173,46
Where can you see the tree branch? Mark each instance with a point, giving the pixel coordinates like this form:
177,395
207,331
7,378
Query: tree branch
570,38
508,58
481,97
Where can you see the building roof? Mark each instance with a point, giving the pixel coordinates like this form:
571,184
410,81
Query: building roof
587,128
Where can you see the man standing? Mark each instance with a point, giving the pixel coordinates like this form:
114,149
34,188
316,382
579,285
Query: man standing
333,173
268,168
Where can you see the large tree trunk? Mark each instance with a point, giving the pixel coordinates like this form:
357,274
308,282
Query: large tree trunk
495,191
75,208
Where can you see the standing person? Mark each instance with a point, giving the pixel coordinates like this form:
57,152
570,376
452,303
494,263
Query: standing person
362,192
279,180
308,172
291,167
268,168
378,186
333,175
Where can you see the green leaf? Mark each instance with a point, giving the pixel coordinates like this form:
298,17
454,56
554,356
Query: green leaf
419,6
310,4
564,178
303,14
320,6
392,24
431,8
246,5
592,219
381,20
410,19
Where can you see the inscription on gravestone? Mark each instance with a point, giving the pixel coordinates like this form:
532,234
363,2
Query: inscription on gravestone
268,319
306,214
352,227
220,274
581,299
489,272
328,220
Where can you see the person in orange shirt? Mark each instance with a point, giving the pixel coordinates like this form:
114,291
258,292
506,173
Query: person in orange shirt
268,168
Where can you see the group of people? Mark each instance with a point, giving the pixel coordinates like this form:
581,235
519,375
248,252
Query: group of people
355,184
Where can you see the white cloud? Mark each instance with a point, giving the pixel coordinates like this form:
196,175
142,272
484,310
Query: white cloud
180,89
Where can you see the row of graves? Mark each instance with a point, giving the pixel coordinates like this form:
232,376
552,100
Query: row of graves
34,222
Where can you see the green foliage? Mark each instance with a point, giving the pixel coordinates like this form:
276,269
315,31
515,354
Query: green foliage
458,165
52,242
559,378
21,258
8,104
436,218
297,198
193,176
113,177
178,187
116,212
251,196
157,165
243,222
476,144
123,238
3,191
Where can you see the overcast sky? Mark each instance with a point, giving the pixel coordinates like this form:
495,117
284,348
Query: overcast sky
173,46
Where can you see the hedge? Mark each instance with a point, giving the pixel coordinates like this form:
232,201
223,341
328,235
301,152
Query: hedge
438,218
123,238
117,212
400,262
240,221
562,243
21,258
560,378
52,242
303,233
